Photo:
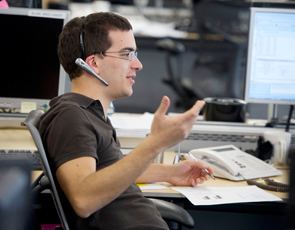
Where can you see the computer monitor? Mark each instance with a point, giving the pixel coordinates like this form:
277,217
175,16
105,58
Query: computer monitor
31,74
270,76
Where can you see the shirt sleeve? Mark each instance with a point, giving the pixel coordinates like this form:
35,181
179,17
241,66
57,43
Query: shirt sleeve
69,135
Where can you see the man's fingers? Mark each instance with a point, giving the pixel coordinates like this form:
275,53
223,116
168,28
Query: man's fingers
164,106
198,106
194,111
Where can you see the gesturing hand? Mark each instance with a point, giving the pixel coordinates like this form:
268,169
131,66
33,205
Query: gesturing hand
168,131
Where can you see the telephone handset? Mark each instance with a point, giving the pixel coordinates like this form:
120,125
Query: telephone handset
231,163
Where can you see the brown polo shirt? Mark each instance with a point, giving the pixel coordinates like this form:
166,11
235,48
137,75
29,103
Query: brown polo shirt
75,126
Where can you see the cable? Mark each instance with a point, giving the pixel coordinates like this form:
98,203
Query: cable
271,185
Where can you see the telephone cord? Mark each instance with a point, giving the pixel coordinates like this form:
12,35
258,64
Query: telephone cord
271,185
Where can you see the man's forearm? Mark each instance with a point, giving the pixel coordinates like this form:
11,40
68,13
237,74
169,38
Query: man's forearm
155,173
89,192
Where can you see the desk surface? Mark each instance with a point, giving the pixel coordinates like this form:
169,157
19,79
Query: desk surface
21,139
16,138
215,183
218,182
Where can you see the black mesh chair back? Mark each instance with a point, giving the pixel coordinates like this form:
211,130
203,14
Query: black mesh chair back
31,122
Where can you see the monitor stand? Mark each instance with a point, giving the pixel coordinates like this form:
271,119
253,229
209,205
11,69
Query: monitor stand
289,118
274,120
272,115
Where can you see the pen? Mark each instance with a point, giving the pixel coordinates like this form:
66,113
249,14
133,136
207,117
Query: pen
205,170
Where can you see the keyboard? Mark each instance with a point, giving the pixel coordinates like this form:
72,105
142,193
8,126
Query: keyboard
31,155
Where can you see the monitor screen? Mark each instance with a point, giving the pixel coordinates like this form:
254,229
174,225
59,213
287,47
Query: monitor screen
31,74
270,76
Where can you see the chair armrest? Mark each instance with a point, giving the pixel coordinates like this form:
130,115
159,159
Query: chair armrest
39,185
173,212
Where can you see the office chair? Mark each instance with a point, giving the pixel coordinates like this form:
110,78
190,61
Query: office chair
168,211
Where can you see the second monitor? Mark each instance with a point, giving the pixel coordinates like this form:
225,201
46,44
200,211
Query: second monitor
270,76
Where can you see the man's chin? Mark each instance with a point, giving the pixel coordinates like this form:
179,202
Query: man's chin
126,94
130,94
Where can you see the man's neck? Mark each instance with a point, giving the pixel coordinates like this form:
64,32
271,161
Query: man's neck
90,91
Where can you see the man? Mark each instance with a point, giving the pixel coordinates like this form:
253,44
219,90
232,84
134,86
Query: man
95,182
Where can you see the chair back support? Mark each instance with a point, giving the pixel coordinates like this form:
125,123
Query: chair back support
31,122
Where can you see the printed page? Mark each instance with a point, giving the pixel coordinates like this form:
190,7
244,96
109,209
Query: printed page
225,195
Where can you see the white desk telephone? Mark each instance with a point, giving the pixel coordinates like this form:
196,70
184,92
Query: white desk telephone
231,163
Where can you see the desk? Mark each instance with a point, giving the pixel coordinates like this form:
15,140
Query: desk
241,216
218,182
16,138
20,138
262,215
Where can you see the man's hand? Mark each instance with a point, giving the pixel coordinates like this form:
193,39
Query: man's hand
168,131
189,172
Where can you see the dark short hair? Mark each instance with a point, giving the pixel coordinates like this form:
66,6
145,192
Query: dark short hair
96,29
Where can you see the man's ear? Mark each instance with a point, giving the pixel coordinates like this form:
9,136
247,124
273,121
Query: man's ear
90,65
92,62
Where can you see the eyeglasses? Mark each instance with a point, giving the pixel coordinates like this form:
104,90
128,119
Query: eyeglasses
125,55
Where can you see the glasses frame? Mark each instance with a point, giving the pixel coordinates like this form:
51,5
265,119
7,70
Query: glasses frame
131,57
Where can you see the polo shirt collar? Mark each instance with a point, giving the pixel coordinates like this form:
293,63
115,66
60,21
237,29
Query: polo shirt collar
83,101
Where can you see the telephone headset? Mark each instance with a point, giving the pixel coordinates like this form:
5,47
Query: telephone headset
82,64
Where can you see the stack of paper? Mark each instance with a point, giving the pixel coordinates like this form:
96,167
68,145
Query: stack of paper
132,126
151,186
225,195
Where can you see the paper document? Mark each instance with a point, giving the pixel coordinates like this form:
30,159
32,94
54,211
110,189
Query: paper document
132,126
143,121
151,186
225,195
